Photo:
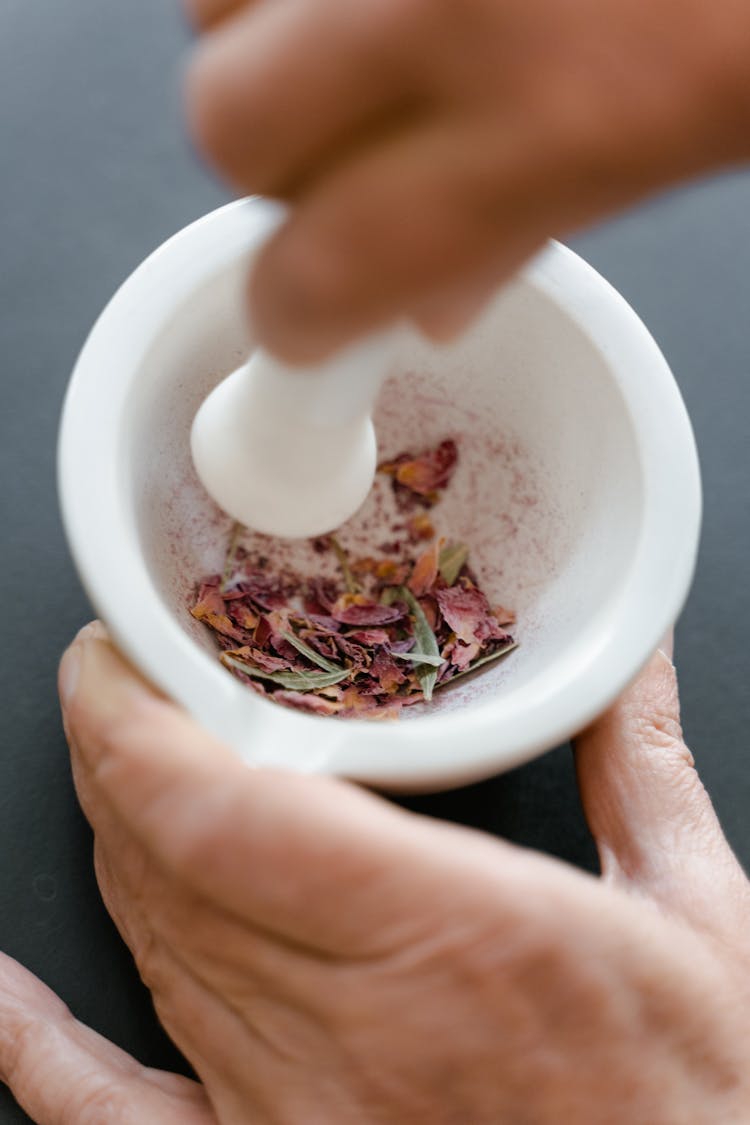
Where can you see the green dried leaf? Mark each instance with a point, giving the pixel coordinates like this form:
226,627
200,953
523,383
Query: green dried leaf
292,681
234,541
451,561
478,663
311,654
390,595
419,658
352,586
426,641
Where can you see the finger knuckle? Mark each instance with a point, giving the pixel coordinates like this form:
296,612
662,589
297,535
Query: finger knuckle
110,891
97,1103
661,729
23,1045
149,959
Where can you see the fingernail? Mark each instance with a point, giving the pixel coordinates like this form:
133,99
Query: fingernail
94,631
69,673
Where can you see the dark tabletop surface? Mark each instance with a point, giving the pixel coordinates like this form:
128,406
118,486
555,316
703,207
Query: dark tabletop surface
95,172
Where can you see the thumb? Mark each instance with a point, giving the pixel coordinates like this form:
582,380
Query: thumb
652,820
283,851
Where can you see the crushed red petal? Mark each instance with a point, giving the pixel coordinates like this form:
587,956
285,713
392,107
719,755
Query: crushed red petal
265,660
419,527
324,643
467,611
404,645
264,590
357,655
369,637
211,609
320,595
309,701
504,616
243,616
430,471
387,671
460,654
430,610
425,570
353,609
263,632
324,623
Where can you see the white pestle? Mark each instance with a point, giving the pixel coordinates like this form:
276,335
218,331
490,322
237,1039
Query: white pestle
291,451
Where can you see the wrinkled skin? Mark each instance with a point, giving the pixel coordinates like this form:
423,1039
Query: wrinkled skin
430,146
323,958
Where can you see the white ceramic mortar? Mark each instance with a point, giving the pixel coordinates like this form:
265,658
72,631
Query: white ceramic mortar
577,489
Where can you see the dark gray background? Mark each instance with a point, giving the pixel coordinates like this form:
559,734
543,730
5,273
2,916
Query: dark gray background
95,173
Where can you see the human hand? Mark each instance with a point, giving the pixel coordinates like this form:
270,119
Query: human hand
321,956
429,147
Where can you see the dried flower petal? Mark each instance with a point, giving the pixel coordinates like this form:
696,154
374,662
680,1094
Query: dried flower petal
392,572
265,660
461,654
366,565
429,471
370,637
210,608
323,622
309,701
320,595
243,616
468,613
504,616
387,672
264,590
420,526
354,609
358,655
425,570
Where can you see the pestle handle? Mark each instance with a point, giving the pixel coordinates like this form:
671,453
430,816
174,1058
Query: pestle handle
326,395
